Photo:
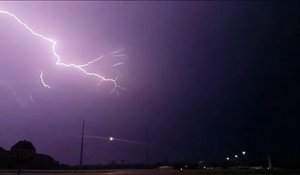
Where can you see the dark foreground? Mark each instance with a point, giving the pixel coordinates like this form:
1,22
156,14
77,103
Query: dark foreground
150,172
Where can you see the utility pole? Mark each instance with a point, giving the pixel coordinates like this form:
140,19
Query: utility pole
81,146
147,147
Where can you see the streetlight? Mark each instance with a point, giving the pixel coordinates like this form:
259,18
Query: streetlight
227,158
236,156
111,138
244,152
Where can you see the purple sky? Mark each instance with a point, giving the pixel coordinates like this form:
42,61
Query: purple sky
195,72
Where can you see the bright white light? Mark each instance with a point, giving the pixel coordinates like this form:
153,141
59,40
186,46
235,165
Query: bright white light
236,156
111,138
244,152
227,158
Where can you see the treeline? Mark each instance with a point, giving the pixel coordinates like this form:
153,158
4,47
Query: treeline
40,161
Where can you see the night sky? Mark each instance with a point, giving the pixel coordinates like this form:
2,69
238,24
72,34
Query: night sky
207,80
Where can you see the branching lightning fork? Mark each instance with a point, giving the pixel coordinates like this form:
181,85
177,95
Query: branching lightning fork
59,59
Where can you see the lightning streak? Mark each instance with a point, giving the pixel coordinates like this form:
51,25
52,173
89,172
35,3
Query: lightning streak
120,55
91,62
117,64
118,51
42,80
31,98
14,93
59,58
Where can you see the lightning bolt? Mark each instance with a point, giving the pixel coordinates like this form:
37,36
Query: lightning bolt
42,80
118,51
59,58
91,62
117,64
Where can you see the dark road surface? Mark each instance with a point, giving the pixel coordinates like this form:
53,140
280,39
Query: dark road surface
149,172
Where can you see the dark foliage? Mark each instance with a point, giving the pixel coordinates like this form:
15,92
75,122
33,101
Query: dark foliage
40,161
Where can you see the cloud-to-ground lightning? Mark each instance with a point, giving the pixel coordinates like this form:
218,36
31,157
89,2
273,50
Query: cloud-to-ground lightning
59,61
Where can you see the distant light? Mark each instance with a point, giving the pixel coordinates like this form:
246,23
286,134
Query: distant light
227,158
185,166
111,138
236,156
204,167
181,169
244,152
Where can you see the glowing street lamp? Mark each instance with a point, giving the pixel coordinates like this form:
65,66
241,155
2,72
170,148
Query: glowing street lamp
227,158
111,138
236,156
244,152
